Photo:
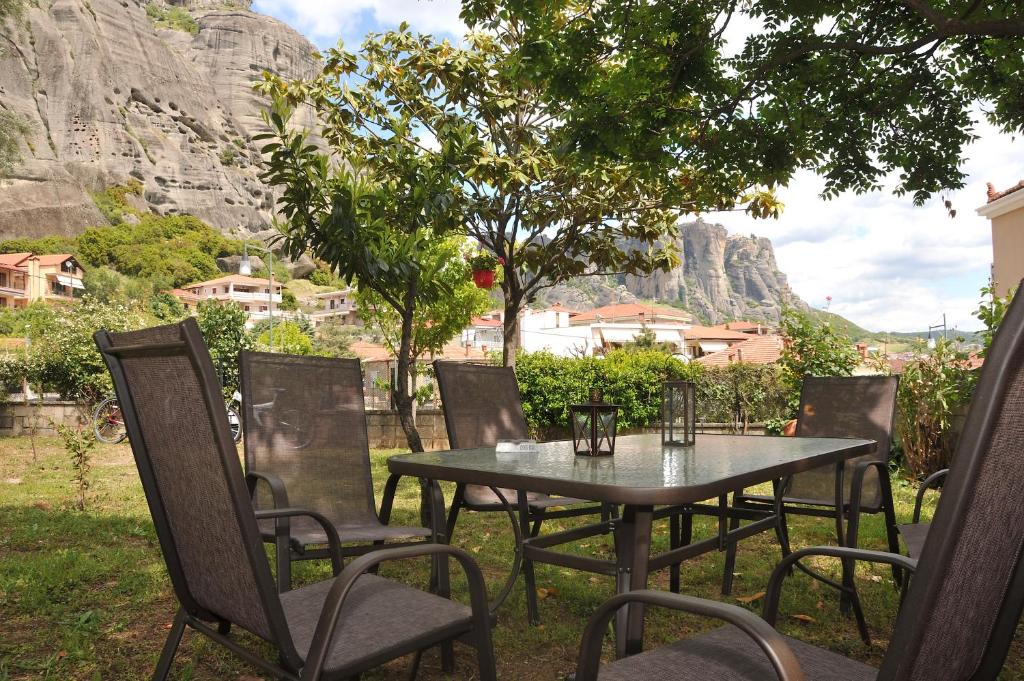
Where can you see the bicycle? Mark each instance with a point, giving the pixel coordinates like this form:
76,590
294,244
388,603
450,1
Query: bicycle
108,422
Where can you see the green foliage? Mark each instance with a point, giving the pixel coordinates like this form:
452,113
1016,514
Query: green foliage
289,338
175,18
321,277
502,164
113,201
934,390
166,307
743,393
228,156
63,357
855,91
648,340
990,312
813,348
333,339
549,384
436,321
78,443
223,329
288,301
170,251
42,246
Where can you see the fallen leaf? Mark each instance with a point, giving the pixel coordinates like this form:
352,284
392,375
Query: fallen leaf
62,654
804,618
476,549
547,592
820,605
751,598
875,578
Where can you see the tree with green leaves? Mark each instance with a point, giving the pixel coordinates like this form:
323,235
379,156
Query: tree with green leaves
436,321
372,209
289,338
525,192
813,348
223,329
854,91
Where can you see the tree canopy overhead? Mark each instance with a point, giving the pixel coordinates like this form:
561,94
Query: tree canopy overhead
852,90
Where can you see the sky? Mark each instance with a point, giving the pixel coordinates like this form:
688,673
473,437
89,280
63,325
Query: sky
886,264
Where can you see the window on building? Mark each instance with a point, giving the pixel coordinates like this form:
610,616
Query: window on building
332,304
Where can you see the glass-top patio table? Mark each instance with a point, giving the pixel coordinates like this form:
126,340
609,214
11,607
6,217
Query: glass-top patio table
642,474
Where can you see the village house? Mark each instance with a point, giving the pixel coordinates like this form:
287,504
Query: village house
1005,209
26,278
252,294
335,306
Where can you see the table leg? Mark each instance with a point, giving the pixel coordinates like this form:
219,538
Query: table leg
632,551
532,612
440,566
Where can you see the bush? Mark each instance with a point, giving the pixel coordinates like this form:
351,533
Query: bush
321,277
113,201
934,390
739,393
289,338
813,348
223,329
172,17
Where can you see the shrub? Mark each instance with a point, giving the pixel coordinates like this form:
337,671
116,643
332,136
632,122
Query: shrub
742,394
813,348
223,329
172,17
321,277
934,390
289,338
79,444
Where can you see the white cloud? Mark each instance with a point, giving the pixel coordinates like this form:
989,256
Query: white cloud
324,21
887,264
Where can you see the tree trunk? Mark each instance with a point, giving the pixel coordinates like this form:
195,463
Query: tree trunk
510,340
401,392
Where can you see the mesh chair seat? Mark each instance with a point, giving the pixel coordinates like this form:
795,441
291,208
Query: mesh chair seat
914,536
380,620
727,654
305,532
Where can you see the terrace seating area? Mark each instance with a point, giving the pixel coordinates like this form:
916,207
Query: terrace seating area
307,493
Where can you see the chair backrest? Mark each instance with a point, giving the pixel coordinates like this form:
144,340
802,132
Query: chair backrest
179,433
964,601
305,421
481,404
852,406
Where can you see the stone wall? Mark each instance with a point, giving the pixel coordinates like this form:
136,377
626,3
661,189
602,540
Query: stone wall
385,429
18,418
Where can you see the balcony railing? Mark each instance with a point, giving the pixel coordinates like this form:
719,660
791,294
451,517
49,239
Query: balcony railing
248,296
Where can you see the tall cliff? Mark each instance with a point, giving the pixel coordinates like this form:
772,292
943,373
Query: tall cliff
722,277
113,93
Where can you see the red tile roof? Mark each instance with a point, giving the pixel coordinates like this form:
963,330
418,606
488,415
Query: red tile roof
740,326
756,350
994,195
713,333
14,260
55,259
480,321
631,310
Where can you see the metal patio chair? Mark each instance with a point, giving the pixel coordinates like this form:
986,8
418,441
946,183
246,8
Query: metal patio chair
306,445
960,609
210,537
854,406
482,405
915,532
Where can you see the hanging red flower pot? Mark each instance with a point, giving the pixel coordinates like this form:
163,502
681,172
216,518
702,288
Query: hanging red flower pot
483,278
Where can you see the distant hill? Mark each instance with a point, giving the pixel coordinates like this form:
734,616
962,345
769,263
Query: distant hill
859,333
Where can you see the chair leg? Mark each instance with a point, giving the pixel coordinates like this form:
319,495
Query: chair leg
538,518
284,565
891,532
673,543
415,666
163,666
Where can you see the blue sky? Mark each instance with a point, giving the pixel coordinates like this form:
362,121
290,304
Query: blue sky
887,264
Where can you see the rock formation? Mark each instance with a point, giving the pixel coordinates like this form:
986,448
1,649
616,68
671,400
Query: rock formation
722,277
111,96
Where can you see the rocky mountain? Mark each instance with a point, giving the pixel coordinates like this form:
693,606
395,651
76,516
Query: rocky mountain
123,89
722,277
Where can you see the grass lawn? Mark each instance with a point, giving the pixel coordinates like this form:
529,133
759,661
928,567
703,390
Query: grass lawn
84,594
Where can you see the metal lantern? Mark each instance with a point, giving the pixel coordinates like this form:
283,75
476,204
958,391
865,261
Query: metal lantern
593,426
678,413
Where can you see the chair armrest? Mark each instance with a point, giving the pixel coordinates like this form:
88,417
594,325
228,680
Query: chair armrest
277,489
770,641
931,481
333,541
771,601
343,583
